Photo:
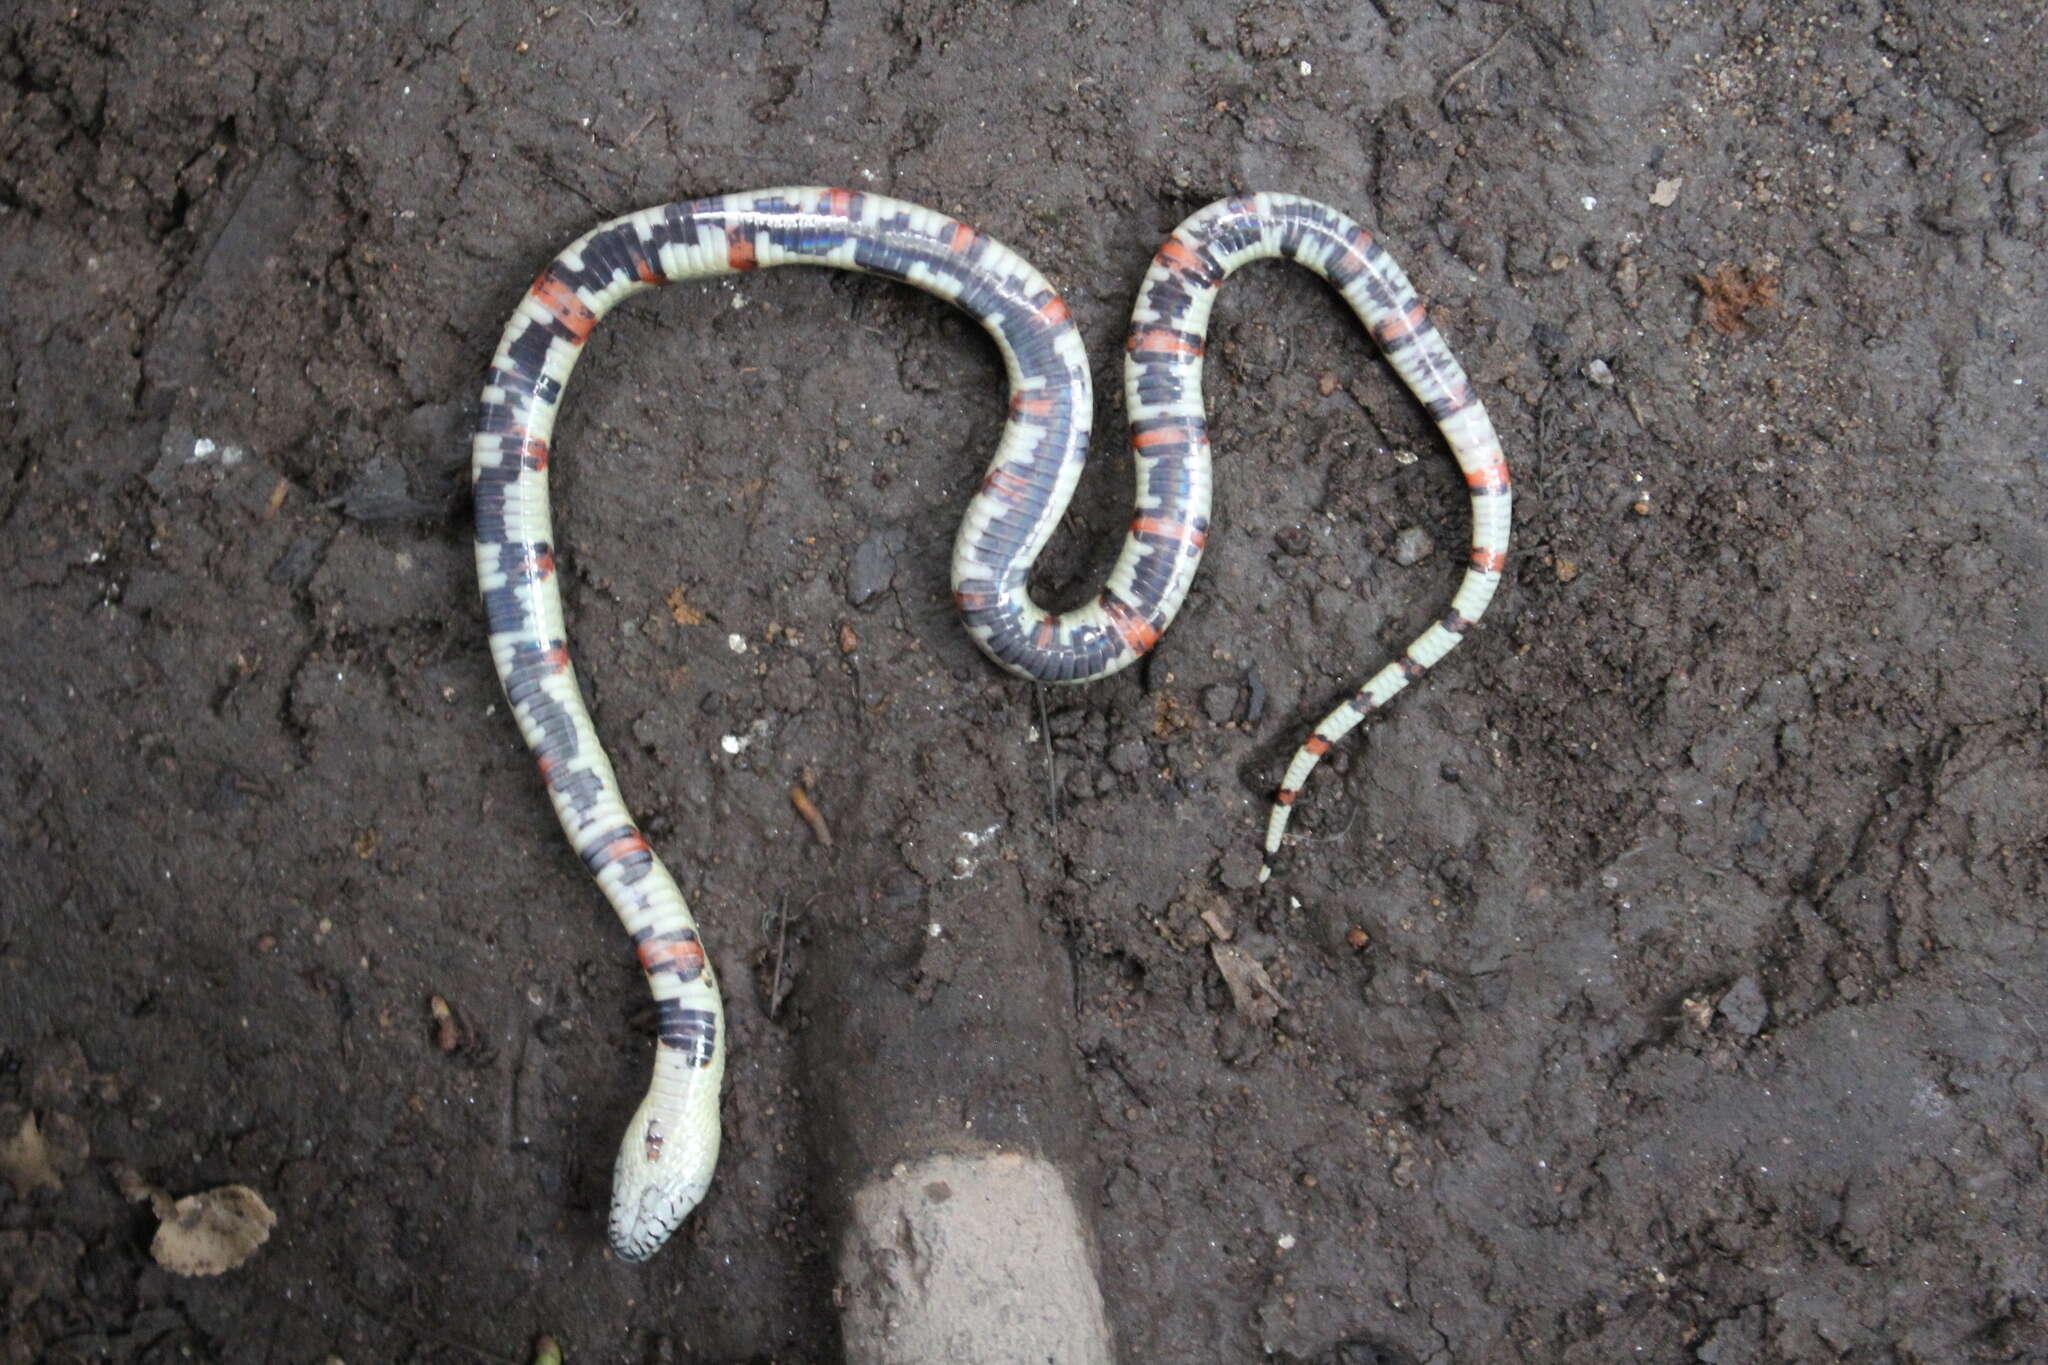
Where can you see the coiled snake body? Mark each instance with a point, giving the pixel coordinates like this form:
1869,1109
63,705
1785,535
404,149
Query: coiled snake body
671,1146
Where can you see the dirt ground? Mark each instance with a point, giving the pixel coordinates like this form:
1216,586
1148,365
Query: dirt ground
1666,972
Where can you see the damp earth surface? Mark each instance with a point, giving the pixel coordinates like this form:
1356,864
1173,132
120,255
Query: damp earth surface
1661,979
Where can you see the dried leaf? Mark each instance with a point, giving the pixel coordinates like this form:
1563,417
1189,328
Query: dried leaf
213,1231
1251,990
1729,294
25,1160
136,1190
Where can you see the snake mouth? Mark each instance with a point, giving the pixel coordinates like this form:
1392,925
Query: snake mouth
640,1230
634,1252
643,1220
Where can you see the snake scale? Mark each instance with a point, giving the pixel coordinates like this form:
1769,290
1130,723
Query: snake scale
671,1146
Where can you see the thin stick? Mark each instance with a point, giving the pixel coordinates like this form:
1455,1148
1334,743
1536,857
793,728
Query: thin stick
645,124
1052,786
781,954
813,817
1462,72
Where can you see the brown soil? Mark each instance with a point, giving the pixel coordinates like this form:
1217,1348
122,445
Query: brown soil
1698,1009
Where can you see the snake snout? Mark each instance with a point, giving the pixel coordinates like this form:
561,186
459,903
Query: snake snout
640,1227
647,1211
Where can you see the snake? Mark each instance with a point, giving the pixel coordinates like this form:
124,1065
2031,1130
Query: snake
670,1148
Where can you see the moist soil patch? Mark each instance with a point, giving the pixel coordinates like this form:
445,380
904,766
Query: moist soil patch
1663,976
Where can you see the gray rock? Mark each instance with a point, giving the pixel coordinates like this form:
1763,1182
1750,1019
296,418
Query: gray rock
1744,1008
1412,546
873,567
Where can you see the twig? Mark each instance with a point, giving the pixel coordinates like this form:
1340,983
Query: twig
645,124
1462,72
813,817
781,955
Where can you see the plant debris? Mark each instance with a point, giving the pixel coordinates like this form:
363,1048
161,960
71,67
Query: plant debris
207,1233
25,1160
447,1033
1257,1000
813,817
1729,294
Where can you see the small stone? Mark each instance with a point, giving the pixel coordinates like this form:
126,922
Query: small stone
1666,193
1357,938
873,567
1744,1008
1598,374
1567,570
1412,546
1641,508
1219,702
1130,757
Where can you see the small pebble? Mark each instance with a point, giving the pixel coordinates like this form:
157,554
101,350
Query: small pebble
873,566
1598,374
1567,570
1792,740
1130,757
1412,546
1744,1008
1357,937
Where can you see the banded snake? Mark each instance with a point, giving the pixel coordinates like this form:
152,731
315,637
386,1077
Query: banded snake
671,1146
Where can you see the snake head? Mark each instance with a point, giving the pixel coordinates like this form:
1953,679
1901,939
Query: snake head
665,1162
